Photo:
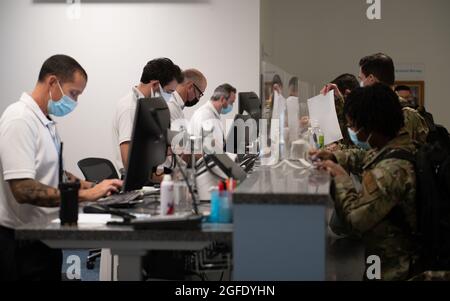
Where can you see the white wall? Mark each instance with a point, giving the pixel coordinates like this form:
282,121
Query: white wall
320,39
113,40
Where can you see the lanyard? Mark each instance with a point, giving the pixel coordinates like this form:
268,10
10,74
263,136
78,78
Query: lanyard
55,137
57,141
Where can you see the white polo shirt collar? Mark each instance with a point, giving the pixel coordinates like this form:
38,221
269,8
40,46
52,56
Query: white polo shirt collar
213,109
33,106
178,100
137,94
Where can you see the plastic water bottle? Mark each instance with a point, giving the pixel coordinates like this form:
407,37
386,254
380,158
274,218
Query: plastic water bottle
181,197
167,196
317,136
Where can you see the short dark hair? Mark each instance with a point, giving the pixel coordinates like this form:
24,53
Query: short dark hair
346,82
224,90
229,88
402,88
162,70
277,80
61,66
179,75
379,65
375,109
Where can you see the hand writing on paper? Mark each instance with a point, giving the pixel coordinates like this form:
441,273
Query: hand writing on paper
334,169
322,155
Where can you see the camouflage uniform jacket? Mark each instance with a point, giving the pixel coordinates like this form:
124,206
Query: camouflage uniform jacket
415,125
339,104
387,187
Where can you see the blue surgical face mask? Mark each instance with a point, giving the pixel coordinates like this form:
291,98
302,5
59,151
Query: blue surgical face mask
354,137
227,110
164,94
61,107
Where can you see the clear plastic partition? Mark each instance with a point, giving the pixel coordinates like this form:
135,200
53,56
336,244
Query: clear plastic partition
285,110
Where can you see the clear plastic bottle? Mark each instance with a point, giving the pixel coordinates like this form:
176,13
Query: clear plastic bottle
181,197
317,137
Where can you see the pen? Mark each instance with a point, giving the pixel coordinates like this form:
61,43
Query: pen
231,185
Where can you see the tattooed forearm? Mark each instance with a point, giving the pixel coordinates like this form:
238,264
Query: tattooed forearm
34,193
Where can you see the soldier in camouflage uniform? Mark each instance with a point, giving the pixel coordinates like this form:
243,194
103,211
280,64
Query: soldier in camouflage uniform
343,85
379,68
383,213
415,124
386,184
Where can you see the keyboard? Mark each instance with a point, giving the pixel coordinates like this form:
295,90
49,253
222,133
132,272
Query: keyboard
123,200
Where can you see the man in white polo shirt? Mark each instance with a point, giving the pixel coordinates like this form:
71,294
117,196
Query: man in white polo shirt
206,121
29,169
186,95
159,77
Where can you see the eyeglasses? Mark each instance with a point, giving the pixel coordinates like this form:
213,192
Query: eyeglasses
199,91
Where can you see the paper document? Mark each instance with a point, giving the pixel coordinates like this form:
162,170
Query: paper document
322,109
90,219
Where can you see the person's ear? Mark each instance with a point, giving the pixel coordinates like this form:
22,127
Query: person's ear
347,92
373,79
189,88
54,91
52,80
154,84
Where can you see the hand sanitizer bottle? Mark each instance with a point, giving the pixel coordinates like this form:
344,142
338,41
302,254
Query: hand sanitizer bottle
167,196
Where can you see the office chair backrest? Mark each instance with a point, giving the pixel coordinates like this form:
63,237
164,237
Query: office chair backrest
97,169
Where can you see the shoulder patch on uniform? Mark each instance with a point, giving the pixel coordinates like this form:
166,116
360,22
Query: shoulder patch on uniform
378,174
370,181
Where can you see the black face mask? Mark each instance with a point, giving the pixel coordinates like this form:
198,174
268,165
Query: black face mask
190,104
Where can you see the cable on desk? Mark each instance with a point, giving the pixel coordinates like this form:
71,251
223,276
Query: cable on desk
210,169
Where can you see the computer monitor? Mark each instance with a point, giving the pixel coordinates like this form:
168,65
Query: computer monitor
249,102
149,142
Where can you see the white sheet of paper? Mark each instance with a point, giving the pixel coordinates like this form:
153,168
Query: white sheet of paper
90,219
322,109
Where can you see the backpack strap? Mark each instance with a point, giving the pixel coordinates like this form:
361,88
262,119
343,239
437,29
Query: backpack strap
428,117
397,216
399,154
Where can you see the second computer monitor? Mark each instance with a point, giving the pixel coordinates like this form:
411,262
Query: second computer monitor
149,142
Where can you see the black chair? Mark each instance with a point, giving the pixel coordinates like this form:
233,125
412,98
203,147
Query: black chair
96,170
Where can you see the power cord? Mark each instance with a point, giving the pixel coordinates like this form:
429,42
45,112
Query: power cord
210,169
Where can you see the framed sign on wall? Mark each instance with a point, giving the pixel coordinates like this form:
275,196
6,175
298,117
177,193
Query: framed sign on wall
412,91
